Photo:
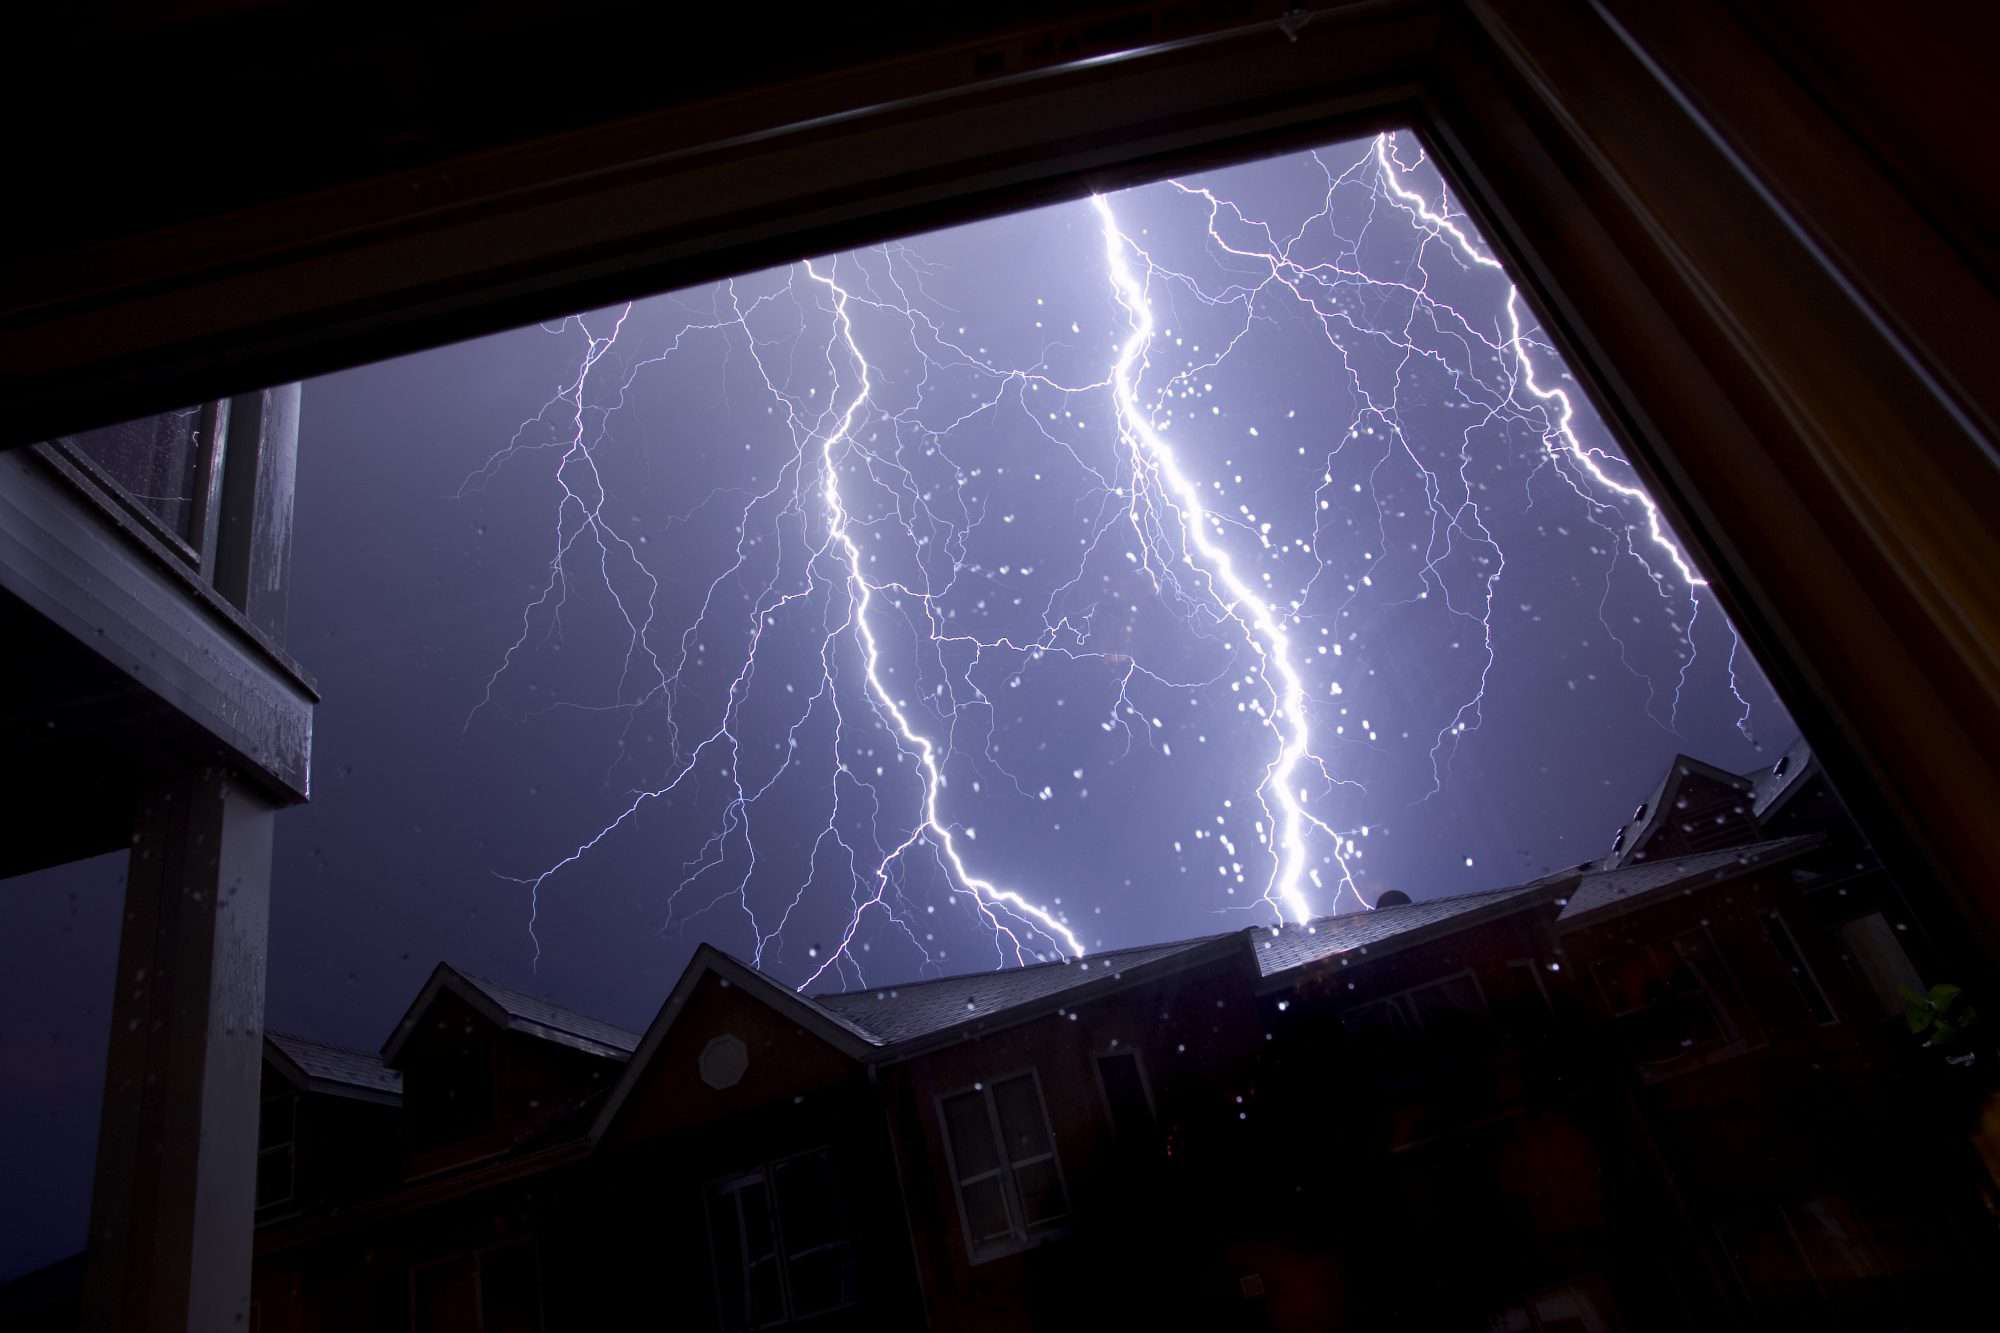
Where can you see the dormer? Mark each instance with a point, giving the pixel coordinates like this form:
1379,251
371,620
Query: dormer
488,1070
326,1125
1697,807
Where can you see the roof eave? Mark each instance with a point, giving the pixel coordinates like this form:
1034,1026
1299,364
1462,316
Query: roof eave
1513,903
1123,979
1618,907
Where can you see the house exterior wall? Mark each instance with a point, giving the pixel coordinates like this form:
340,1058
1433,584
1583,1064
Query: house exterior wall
1822,1183
676,1137
1139,1209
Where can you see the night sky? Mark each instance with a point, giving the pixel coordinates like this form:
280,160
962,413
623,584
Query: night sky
587,576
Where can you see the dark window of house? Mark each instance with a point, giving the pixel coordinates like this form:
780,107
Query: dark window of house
1447,1002
1661,995
155,462
1003,1158
1817,1006
277,1148
497,1290
782,1246
1126,1097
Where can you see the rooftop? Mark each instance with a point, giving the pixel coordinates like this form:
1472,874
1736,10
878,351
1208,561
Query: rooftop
1611,892
919,1009
345,1071
1291,947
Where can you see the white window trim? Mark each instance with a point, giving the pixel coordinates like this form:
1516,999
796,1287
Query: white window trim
1022,1236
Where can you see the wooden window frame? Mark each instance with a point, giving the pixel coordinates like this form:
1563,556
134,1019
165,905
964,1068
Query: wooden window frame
197,549
1021,1236
766,1174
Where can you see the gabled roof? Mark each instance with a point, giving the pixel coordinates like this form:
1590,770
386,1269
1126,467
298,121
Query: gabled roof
926,1009
515,1012
1386,930
1771,787
710,961
1652,811
1610,893
314,1066
894,1022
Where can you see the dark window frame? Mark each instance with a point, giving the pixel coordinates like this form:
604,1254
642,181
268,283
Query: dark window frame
197,548
1122,1050
1403,1003
763,1175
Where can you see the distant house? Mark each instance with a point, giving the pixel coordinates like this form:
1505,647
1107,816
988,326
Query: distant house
1664,1089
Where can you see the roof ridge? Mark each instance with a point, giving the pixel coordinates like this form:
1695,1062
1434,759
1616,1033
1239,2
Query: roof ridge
1541,882
1024,967
489,985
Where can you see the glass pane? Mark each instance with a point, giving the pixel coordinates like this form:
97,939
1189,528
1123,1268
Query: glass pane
1041,1190
1021,1122
725,1234
808,1202
1125,1094
155,460
1447,999
986,1209
971,1128
822,1280
767,1293
755,1201
1811,997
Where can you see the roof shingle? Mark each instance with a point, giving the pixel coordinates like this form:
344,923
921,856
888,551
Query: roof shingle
907,1012
557,1023
1611,891
1290,947
335,1064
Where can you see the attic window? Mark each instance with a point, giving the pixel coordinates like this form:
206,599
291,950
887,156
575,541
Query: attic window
1778,769
1640,813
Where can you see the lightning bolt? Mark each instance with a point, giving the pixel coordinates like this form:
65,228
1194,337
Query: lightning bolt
1158,482
854,556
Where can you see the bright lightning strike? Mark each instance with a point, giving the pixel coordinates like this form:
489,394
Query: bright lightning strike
1154,464
836,690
